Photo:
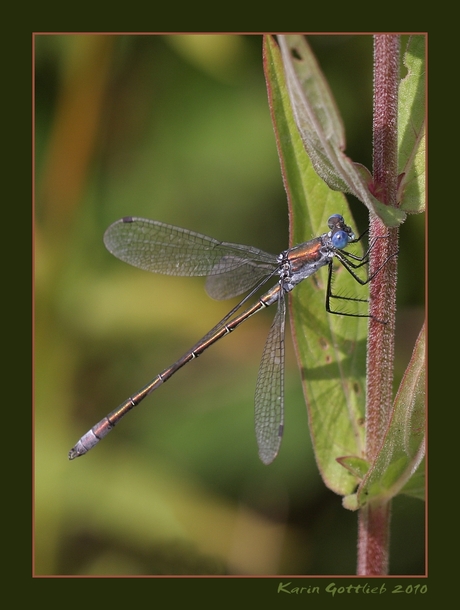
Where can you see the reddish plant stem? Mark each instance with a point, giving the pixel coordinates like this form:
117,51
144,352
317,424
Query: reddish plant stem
374,519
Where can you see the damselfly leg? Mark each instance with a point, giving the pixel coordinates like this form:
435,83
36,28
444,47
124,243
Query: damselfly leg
347,261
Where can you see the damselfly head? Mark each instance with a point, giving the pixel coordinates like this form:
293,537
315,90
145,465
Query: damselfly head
340,233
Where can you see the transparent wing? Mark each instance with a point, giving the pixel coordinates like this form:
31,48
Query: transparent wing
161,248
269,397
222,283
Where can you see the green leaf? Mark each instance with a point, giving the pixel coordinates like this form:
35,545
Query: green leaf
320,127
357,465
331,350
411,128
415,486
403,447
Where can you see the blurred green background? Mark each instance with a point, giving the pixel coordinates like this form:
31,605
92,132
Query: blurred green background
177,128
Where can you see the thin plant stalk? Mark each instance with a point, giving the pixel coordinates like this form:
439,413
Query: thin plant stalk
374,519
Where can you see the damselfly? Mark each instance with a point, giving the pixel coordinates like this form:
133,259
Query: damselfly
230,270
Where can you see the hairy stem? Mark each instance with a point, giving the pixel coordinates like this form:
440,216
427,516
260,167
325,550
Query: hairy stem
374,520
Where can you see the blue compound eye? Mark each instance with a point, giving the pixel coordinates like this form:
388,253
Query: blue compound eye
335,220
340,239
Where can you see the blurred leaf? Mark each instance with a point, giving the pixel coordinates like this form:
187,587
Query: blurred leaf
415,486
411,128
403,448
321,129
330,349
